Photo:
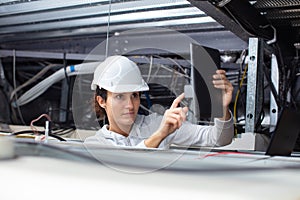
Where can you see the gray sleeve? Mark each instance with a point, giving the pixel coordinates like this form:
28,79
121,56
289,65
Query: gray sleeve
220,134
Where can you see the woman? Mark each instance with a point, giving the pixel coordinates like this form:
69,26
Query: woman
118,84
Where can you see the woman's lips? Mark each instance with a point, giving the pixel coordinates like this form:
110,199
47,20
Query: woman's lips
129,113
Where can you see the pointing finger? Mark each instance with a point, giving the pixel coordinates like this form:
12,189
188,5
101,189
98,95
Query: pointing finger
177,101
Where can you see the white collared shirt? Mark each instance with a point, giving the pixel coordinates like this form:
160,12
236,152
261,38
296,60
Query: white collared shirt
220,134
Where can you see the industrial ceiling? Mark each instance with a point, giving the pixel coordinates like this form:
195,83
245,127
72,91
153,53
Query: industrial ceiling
76,26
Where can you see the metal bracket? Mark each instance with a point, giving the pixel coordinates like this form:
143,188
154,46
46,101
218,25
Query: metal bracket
223,3
273,104
251,84
254,83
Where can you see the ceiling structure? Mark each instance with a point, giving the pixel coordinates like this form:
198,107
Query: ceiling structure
272,20
76,26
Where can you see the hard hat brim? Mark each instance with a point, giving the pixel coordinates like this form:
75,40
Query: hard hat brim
127,88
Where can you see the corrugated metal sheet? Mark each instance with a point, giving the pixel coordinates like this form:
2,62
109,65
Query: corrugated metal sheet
281,13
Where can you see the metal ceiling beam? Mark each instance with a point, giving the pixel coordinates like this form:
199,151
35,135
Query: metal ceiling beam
48,55
240,17
81,57
221,18
218,39
34,6
7,1
201,22
89,11
123,18
73,26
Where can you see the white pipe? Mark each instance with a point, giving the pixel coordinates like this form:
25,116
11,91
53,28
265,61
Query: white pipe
40,88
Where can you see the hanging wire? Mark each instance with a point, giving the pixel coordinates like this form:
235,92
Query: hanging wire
108,30
150,69
237,95
31,80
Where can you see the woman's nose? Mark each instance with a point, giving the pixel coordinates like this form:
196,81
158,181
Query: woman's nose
129,103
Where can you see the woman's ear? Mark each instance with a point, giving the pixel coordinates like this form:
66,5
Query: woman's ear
101,102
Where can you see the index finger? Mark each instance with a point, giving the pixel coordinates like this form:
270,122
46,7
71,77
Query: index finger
220,71
177,101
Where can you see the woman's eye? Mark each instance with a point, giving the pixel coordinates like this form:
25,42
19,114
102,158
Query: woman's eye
135,95
119,96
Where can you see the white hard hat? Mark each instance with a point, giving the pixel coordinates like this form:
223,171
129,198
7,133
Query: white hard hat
119,74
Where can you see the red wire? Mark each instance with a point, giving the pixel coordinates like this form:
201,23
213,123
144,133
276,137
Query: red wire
225,153
37,119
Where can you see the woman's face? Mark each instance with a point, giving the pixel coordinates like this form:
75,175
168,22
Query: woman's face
121,110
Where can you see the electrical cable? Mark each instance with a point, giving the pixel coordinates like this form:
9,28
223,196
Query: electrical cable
237,95
40,132
63,131
150,69
178,65
272,87
224,153
33,79
35,131
281,67
40,88
243,57
261,114
37,119
174,82
108,30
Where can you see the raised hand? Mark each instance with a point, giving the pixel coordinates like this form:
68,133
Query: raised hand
173,117
221,82
172,120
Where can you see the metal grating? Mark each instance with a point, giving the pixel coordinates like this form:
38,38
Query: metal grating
295,23
283,14
276,3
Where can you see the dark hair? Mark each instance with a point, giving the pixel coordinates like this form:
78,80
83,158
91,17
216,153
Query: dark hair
100,112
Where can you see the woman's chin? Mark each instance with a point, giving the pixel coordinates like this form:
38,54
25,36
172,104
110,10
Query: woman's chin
126,122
